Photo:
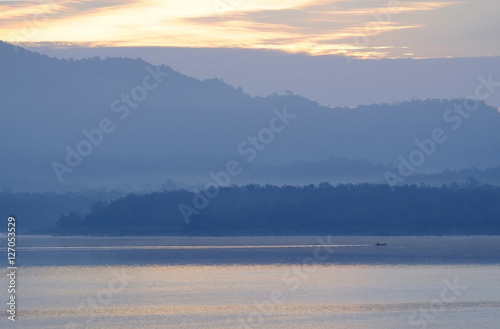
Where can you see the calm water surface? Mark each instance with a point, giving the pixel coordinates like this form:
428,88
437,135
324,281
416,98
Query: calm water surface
265,282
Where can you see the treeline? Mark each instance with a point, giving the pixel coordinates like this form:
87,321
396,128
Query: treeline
254,209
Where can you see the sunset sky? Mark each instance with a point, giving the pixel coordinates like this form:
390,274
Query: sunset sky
364,29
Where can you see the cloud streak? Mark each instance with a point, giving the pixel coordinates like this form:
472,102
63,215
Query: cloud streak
312,26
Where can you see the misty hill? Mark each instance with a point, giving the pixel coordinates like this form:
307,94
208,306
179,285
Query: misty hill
41,210
157,124
328,79
253,209
470,175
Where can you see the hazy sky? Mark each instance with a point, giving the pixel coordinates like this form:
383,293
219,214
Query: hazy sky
365,28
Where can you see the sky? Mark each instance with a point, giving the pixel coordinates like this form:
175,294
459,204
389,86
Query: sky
363,29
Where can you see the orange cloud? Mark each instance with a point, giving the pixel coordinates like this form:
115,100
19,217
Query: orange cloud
314,27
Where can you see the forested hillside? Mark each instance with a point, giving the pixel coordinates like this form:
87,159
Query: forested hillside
253,209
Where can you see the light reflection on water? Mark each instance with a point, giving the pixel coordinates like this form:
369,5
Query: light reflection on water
202,294
189,296
110,248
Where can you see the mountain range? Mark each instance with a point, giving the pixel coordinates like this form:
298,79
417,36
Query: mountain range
127,124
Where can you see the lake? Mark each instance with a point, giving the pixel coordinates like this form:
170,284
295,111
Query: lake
258,282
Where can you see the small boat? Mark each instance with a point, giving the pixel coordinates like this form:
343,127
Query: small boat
380,244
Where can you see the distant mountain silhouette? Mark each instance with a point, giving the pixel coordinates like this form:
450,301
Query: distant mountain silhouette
157,124
327,79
